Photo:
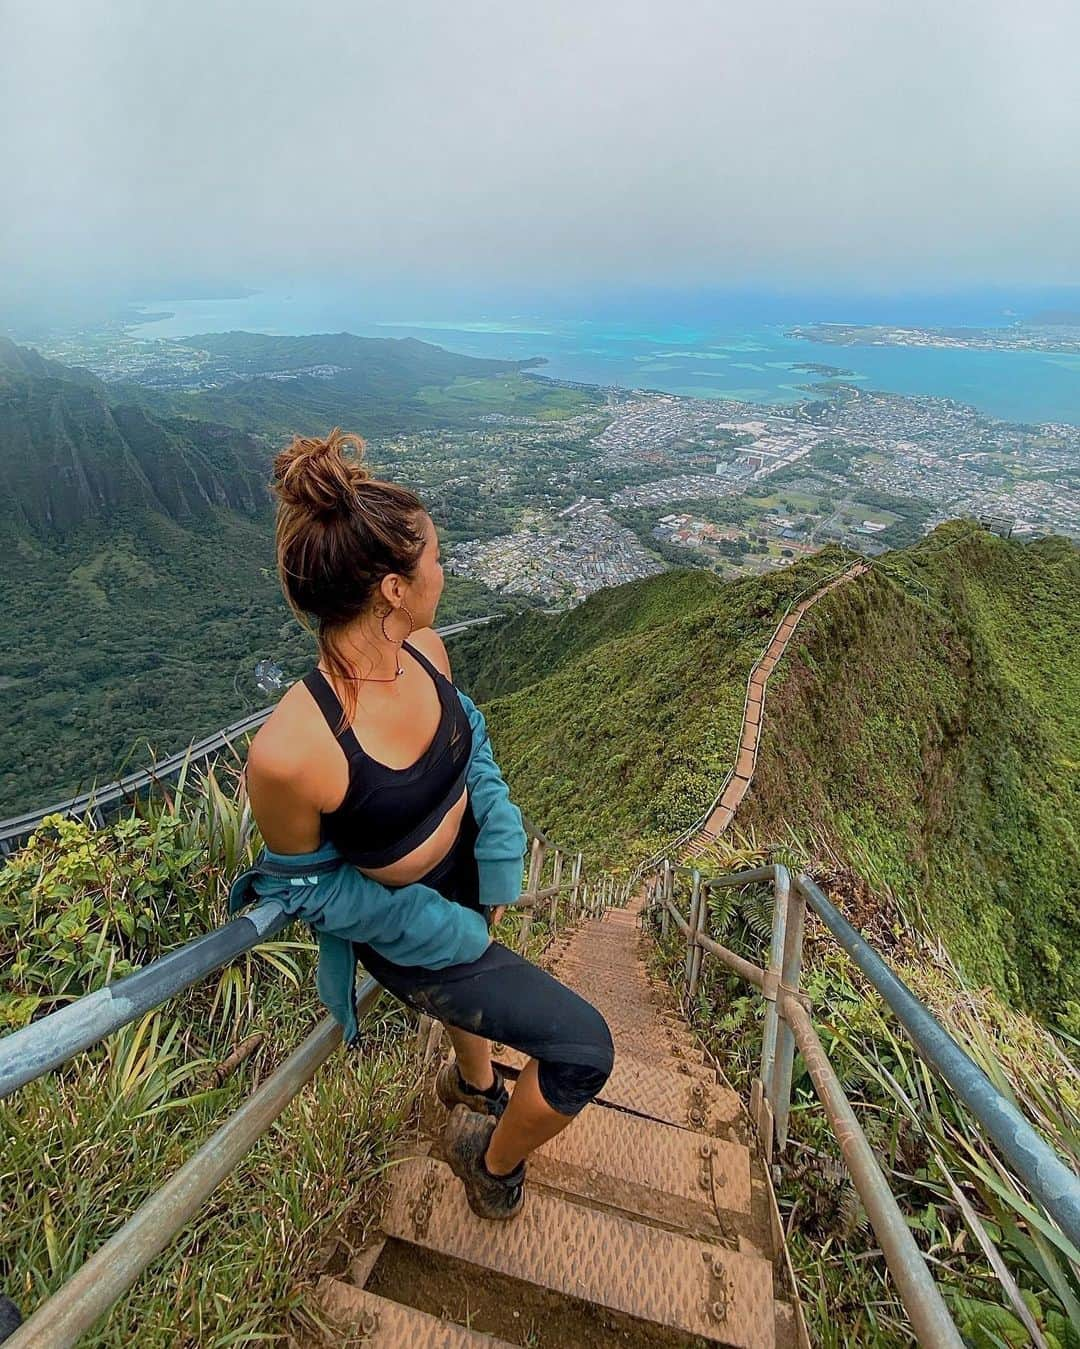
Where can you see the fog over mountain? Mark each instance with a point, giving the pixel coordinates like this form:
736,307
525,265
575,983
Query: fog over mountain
849,141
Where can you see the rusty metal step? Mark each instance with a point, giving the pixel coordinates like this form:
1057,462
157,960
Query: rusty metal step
390,1325
688,1099
639,1165
663,1277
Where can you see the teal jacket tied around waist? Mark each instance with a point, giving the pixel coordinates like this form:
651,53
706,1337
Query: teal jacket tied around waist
409,925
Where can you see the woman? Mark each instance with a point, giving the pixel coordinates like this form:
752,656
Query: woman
389,827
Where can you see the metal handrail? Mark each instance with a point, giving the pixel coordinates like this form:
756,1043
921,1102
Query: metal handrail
111,793
113,1268
47,1043
1055,1186
788,1024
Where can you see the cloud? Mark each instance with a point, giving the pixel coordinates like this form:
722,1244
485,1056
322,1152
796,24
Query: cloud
600,140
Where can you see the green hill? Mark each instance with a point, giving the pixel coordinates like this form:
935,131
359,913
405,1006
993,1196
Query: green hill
138,586
388,386
70,454
923,726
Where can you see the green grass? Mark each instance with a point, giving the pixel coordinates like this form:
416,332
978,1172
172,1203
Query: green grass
618,741
84,1145
928,717
511,395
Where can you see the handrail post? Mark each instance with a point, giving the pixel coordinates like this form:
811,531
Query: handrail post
556,878
575,877
781,890
536,866
667,896
778,1084
693,950
536,862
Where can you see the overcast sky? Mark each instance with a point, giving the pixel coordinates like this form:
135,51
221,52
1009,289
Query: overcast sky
811,142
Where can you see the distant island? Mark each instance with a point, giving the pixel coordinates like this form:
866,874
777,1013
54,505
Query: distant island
1018,337
827,371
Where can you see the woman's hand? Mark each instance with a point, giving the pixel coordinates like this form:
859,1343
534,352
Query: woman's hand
496,914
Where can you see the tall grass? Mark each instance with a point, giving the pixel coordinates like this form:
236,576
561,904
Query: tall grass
1009,1274
82,1147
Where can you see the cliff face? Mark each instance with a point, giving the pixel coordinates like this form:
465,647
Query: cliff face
67,457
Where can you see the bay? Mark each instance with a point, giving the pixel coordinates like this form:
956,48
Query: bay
709,353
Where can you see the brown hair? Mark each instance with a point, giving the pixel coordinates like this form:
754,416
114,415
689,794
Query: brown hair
339,532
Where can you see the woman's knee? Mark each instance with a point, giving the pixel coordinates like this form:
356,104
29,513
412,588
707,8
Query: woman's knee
602,1043
568,1083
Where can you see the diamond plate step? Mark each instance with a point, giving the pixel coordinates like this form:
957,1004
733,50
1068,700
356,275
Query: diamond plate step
687,1100
655,1170
389,1325
658,1276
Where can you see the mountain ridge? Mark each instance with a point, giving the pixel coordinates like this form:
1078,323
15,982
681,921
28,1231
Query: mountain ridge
920,728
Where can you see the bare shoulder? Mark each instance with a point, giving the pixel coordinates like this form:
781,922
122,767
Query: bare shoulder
432,645
281,749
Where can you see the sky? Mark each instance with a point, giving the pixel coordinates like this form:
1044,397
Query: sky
683,142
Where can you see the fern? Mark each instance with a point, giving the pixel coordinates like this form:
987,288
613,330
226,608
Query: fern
756,910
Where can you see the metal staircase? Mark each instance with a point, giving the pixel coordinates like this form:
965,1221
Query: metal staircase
653,1208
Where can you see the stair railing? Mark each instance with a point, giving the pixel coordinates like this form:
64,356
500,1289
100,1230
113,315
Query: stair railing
788,1025
50,1041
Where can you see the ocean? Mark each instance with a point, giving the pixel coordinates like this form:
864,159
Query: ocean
728,347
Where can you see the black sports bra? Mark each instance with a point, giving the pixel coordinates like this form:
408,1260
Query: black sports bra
387,812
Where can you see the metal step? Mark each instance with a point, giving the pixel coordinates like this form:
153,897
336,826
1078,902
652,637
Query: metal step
647,1168
687,1099
390,1325
663,1277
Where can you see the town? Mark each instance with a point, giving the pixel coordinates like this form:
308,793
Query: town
550,510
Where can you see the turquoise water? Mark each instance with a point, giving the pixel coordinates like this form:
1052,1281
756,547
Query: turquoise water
716,357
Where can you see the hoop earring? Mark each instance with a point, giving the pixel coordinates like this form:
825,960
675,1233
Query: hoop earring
382,625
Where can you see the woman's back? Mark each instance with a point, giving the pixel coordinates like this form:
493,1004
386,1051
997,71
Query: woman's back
376,784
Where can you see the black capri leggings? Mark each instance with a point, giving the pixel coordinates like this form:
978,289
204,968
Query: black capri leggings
504,997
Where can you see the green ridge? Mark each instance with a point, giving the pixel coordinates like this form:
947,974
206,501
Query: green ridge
924,722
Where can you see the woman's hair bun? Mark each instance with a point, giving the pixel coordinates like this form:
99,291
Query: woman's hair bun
316,475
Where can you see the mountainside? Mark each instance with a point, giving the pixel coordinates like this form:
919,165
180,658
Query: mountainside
138,587
68,455
381,385
923,726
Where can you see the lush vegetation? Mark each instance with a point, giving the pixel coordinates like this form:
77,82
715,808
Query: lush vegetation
384,385
927,713
84,1146
930,715
129,639
616,721
139,587
1008,1274
505,396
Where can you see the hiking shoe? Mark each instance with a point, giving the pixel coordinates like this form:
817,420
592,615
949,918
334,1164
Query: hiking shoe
465,1140
452,1090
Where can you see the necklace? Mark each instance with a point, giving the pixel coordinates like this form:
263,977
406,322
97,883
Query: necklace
368,679
371,679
